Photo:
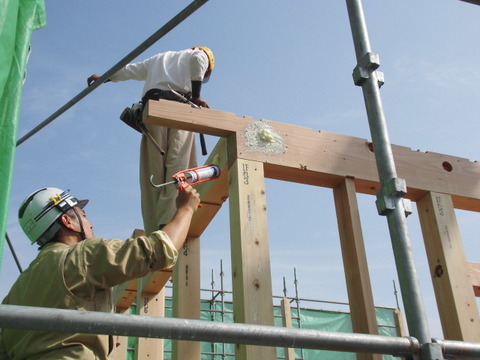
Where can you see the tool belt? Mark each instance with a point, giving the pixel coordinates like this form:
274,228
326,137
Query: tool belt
133,116
157,94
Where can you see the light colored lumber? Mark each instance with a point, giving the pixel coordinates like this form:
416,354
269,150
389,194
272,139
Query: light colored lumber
149,304
287,322
457,305
325,159
359,289
186,296
251,274
400,323
212,193
474,271
120,343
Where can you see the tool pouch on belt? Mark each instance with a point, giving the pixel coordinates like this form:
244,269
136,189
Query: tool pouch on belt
132,116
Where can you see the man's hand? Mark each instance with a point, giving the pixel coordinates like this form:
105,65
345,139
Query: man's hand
188,199
94,78
200,102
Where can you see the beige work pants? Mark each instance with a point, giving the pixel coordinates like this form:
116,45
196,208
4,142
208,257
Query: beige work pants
158,204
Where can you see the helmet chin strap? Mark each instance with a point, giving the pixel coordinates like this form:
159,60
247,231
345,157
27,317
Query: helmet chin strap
80,221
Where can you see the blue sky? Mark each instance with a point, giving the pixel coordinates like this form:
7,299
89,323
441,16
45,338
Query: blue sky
276,60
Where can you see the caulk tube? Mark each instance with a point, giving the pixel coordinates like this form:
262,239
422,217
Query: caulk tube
203,174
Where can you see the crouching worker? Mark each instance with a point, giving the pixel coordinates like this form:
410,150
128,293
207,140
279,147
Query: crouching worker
75,270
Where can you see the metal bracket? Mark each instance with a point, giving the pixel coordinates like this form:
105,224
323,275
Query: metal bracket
368,65
431,351
389,195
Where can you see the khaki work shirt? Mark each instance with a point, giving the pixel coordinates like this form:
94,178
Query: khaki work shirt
79,277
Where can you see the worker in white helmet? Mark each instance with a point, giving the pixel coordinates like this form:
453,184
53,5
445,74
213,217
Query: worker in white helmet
184,72
75,270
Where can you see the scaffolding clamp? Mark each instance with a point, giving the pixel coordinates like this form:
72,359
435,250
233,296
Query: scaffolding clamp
368,65
431,351
390,194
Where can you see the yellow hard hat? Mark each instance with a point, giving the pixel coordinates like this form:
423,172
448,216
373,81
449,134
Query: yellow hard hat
211,58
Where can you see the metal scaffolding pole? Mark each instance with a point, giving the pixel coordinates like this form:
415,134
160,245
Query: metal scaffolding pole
91,322
165,29
390,200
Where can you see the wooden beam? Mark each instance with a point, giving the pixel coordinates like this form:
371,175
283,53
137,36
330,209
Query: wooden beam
325,159
149,304
186,296
400,324
212,193
287,322
120,343
474,271
251,274
456,302
359,289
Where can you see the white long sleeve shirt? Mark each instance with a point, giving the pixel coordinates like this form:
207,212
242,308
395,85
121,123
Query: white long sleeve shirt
174,68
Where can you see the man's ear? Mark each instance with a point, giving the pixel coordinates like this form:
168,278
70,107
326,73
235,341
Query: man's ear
67,221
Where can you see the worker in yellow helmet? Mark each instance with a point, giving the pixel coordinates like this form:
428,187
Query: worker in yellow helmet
184,72
75,270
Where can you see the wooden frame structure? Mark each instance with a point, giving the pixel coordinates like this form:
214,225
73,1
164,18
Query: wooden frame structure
438,183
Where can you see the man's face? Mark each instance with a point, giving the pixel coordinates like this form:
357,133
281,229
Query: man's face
87,227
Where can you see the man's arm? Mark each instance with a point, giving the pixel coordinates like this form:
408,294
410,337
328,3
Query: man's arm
187,203
3,352
196,99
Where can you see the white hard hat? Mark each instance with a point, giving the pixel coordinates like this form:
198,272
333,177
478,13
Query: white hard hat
41,209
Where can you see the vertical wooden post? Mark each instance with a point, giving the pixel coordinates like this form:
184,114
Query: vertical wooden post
400,324
149,304
355,263
186,296
456,301
251,274
120,343
287,322
474,271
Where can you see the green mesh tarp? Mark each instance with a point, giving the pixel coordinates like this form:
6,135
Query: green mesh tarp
309,319
18,18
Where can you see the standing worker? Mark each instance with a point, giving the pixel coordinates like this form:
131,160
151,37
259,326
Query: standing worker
183,71
75,270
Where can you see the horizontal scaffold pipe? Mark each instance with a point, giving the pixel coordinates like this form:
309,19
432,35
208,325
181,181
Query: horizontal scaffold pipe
459,349
165,29
60,320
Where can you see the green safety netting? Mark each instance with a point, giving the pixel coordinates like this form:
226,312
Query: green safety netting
18,18
309,319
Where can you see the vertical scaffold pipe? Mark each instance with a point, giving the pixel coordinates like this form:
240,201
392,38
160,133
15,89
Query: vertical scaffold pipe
165,29
366,76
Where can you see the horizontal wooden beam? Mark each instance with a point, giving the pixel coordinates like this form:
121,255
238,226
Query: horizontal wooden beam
324,159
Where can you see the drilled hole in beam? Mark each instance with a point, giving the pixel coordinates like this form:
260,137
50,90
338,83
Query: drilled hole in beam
447,166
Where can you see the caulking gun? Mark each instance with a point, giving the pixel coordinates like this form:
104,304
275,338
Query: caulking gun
192,176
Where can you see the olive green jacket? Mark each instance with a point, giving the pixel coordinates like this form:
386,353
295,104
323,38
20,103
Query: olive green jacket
79,277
